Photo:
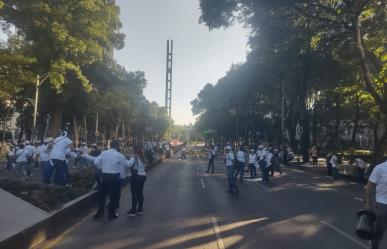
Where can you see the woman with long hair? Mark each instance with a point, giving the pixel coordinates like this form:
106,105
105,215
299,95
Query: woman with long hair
137,181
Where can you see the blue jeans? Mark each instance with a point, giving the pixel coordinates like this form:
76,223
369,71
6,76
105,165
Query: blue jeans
253,170
232,187
265,176
240,170
61,172
47,171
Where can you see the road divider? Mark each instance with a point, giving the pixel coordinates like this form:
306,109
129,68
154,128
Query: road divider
218,234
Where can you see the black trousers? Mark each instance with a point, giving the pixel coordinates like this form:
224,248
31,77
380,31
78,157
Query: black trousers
137,183
211,165
110,185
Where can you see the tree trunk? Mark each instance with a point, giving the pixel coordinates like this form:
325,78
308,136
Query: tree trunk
56,121
336,136
356,122
76,135
314,127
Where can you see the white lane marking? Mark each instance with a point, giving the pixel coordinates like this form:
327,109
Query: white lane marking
202,182
345,235
218,234
359,199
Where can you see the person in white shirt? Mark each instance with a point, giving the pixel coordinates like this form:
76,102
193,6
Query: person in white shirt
230,161
30,150
43,153
211,159
22,161
360,168
376,201
59,149
149,151
333,162
112,165
241,161
269,163
252,164
137,181
261,157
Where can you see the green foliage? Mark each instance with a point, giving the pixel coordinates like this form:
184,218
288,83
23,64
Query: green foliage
309,47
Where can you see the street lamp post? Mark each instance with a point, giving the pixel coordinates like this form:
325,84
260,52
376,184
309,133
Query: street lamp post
39,82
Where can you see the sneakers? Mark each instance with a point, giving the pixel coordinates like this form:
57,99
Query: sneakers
140,211
113,216
131,213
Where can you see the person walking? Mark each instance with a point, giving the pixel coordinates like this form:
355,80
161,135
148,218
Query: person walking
376,201
261,155
269,163
22,161
211,159
112,165
334,164
59,149
241,160
137,181
328,163
252,164
314,154
230,162
276,165
43,153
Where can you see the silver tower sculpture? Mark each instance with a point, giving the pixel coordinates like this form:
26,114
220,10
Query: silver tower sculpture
168,88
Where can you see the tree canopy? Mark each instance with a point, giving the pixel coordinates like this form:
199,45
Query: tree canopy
328,56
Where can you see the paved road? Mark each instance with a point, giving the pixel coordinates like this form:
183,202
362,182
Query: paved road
187,208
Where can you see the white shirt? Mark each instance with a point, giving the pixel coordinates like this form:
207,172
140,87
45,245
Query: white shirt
59,148
21,155
252,158
241,156
261,154
111,162
30,150
229,159
379,177
136,163
269,156
211,153
334,161
44,153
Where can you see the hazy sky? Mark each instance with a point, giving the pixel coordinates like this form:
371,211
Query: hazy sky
200,56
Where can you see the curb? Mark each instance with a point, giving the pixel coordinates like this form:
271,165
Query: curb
58,221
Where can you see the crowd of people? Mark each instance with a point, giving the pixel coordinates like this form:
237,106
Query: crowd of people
248,159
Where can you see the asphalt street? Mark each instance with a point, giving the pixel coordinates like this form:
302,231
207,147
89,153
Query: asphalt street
188,208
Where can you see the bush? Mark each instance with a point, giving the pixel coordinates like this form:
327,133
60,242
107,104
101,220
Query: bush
51,197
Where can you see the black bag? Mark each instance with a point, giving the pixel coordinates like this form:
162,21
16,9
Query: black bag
365,224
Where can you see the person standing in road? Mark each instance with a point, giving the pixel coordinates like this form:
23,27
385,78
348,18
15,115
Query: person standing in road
360,166
43,154
241,161
230,161
376,201
328,163
137,181
333,162
59,149
112,165
149,151
252,164
211,159
314,154
269,163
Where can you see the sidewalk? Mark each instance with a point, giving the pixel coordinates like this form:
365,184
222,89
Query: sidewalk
345,169
16,215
